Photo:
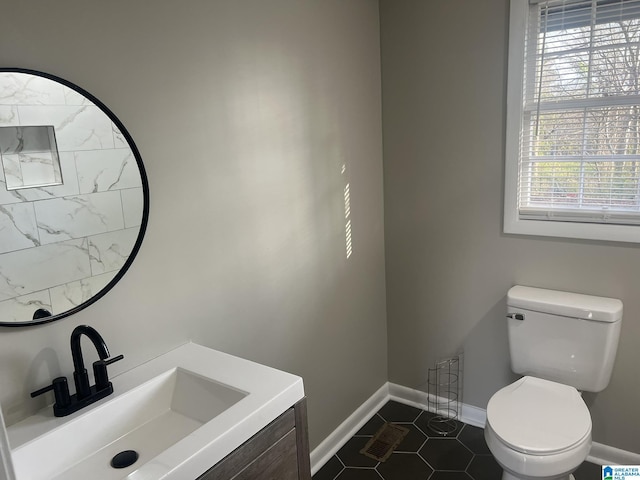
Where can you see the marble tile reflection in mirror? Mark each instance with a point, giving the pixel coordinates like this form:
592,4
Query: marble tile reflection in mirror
61,241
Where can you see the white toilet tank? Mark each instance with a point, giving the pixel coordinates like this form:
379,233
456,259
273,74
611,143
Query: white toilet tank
564,337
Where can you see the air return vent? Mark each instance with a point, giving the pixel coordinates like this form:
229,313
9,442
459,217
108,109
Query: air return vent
384,442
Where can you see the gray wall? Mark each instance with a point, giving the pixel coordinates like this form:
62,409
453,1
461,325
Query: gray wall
448,263
244,112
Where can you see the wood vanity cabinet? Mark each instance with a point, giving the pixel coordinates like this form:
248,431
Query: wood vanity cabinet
280,451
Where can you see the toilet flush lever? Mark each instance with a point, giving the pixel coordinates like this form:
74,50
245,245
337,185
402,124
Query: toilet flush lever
516,316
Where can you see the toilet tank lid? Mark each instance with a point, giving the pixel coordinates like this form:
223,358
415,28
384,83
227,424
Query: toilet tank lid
576,305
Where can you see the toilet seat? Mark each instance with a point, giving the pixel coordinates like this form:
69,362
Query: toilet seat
539,417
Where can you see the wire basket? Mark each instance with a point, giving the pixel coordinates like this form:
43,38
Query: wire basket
444,399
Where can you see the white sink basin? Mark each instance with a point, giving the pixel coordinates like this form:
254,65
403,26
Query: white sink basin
181,412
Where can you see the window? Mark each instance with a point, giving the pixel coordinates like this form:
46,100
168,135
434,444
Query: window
573,119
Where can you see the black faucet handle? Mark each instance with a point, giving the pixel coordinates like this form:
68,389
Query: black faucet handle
111,360
100,372
60,389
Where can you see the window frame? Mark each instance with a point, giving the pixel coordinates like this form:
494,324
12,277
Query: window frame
513,224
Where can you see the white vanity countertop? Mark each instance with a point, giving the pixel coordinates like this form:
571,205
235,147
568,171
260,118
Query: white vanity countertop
269,392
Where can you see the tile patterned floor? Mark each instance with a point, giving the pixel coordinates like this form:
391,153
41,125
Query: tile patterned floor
422,454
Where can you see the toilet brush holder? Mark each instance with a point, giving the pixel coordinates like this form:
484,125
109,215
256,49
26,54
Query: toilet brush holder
443,395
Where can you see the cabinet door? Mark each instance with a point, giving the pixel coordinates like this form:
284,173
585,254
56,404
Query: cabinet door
280,462
259,456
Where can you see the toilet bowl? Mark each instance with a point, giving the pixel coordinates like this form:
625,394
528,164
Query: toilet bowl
538,429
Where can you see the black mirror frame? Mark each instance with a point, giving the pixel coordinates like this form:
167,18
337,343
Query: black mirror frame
145,208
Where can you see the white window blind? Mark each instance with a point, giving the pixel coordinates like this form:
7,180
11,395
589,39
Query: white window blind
580,139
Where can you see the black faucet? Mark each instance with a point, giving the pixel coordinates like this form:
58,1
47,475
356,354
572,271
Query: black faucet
85,394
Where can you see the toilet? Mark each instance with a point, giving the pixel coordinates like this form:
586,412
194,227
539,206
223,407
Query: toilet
563,343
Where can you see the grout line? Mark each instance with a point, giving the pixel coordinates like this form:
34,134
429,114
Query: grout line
417,452
428,437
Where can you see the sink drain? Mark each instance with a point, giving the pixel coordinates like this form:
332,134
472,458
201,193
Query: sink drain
124,459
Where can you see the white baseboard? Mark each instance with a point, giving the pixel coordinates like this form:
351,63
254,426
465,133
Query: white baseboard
417,398
336,439
606,455
600,454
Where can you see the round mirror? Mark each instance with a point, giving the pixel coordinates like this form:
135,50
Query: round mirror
74,198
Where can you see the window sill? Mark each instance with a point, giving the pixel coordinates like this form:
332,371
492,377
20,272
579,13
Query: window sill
585,231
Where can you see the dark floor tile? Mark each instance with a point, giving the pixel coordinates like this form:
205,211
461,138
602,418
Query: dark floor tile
423,423
372,426
351,456
329,470
449,476
466,457
398,412
358,474
484,467
404,466
588,471
446,454
473,438
413,441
